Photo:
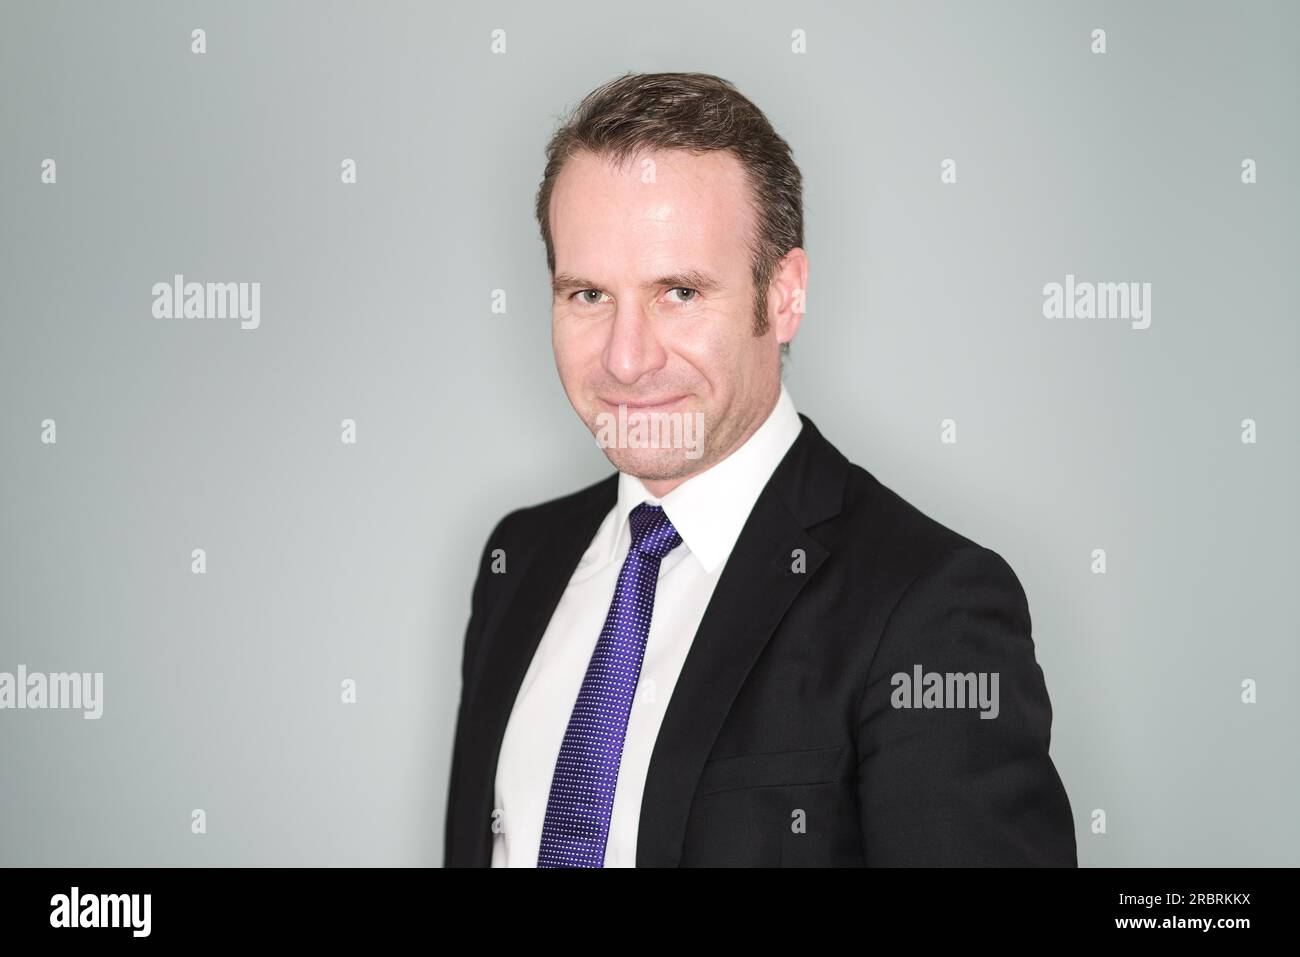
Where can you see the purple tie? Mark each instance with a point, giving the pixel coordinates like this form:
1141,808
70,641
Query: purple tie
576,827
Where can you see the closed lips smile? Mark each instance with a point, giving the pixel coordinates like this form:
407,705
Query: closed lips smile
643,404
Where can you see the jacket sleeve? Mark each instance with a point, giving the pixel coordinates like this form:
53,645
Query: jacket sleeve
968,779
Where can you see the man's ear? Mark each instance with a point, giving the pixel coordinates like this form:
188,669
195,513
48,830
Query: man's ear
787,295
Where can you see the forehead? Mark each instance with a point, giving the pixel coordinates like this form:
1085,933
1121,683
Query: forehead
658,209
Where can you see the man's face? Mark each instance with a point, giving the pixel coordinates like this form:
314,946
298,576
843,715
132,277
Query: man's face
654,306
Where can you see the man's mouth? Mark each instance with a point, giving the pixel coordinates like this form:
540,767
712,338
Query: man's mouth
648,404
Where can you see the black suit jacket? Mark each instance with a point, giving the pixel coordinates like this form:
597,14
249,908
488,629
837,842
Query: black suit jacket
780,744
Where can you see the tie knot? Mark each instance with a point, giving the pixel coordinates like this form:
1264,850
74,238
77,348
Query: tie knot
652,534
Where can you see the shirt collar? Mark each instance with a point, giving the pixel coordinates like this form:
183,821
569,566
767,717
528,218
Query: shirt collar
709,509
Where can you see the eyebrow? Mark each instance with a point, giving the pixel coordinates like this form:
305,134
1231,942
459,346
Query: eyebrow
691,279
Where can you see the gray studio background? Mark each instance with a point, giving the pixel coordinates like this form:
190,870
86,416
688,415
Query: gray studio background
329,561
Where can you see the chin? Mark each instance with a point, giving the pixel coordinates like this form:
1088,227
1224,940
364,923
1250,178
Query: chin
653,464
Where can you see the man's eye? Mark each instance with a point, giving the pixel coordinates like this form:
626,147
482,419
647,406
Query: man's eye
583,294
687,289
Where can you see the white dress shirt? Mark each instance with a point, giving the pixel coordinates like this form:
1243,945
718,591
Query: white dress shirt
708,510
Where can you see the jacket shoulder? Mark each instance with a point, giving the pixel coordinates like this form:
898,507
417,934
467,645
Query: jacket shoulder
902,538
528,523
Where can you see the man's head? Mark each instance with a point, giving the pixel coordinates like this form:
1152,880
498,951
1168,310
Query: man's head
672,214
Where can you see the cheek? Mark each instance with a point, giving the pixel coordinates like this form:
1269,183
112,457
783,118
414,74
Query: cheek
563,334
712,342
577,346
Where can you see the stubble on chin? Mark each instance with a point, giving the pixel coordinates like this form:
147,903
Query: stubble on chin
695,452
654,465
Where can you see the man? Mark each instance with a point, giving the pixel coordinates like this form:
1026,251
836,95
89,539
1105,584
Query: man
739,649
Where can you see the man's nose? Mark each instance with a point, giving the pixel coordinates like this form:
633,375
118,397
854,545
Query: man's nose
633,348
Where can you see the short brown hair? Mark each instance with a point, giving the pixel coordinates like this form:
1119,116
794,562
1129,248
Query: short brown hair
696,112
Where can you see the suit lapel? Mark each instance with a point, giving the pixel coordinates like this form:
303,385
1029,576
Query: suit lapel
509,652
756,588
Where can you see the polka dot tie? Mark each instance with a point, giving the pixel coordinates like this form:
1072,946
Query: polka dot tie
576,827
